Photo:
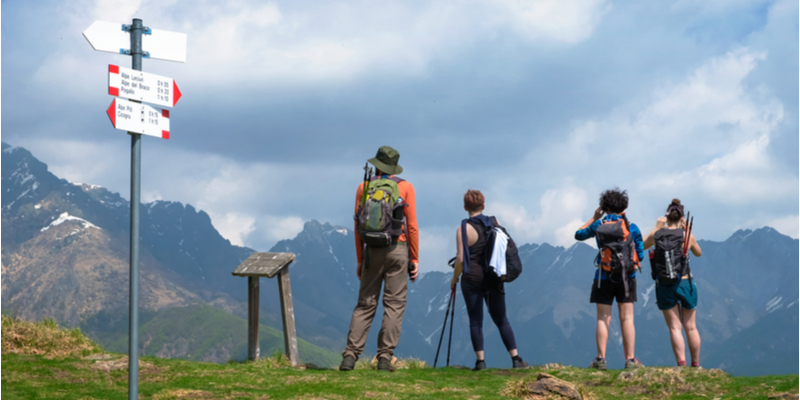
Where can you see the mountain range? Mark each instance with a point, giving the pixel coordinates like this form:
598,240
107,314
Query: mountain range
65,256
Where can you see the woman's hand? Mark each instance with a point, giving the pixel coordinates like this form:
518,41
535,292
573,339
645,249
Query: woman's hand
453,283
661,223
598,213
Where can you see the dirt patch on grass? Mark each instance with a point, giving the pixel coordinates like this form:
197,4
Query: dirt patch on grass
44,338
175,394
145,368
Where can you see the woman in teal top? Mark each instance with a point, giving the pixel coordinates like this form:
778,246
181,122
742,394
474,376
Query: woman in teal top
677,299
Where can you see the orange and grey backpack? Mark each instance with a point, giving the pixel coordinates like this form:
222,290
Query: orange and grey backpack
618,257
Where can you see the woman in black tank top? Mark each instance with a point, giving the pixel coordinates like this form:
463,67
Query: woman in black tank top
478,287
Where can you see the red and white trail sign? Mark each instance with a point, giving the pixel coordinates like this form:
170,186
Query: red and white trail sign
138,85
139,118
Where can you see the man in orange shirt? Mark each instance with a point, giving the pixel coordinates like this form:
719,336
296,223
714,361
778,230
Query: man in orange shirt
389,264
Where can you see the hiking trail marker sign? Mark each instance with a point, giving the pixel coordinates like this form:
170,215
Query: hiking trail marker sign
156,43
137,41
138,85
139,118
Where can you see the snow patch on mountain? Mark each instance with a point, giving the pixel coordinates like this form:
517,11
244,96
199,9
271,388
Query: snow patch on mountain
774,304
646,295
64,217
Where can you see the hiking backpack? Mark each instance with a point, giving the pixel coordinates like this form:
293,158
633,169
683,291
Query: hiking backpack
618,257
379,219
667,262
513,262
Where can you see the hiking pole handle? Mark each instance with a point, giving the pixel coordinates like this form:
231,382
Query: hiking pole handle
367,173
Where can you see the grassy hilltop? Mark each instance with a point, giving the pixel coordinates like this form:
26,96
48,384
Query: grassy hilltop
40,360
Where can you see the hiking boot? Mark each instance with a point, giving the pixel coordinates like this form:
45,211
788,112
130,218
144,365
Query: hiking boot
599,363
518,363
633,363
480,365
384,364
348,363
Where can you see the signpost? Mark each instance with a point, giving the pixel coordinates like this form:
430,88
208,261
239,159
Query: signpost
137,85
138,119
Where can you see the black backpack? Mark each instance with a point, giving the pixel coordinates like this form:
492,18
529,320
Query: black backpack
667,262
617,253
513,262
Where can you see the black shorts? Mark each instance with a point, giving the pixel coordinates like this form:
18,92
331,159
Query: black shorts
609,290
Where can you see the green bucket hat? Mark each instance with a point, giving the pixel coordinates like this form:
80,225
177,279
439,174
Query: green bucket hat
386,160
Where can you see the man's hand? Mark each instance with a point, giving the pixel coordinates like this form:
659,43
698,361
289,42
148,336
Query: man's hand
661,223
358,271
598,213
414,271
453,283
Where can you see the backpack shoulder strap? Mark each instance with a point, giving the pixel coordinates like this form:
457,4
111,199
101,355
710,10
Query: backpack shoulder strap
465,245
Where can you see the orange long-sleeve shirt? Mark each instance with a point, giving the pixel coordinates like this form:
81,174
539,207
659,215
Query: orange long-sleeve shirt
412,236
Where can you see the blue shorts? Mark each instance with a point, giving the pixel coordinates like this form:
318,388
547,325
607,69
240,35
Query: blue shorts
668,295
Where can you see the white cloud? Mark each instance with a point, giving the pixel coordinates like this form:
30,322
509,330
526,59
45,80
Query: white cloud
788,225
279,228
233,226
279,43
557,20
559,216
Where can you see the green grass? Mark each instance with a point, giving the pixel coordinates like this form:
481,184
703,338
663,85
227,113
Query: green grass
34,376
42,361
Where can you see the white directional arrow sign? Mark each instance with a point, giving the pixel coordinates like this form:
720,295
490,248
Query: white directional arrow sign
163,45
138,85
139,118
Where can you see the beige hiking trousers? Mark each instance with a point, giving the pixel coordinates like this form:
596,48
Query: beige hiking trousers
389,265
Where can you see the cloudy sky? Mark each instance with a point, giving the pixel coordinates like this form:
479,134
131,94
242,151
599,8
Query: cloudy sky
541,104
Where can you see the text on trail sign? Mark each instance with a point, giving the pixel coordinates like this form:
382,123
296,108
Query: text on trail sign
138,85
139,118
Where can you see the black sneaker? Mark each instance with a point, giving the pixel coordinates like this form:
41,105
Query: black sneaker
518,362
384,364
348,363
480,365
599,363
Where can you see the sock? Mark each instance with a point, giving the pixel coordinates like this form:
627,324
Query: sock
681,363
695,364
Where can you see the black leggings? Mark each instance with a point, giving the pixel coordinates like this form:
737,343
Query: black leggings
474,295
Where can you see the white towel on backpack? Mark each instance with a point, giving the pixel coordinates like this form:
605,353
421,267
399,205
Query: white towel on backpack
498,260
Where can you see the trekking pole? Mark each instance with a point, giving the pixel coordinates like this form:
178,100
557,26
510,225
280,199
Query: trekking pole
452,322
367,173
686,232
450,300
686,244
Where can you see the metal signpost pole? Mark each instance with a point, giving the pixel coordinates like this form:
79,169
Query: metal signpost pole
137,119
136,166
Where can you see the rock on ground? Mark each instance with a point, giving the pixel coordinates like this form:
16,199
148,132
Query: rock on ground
547,384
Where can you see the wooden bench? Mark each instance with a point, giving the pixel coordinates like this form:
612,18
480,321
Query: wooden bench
269,265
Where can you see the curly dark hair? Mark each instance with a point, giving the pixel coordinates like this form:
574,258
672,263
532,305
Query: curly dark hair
614,200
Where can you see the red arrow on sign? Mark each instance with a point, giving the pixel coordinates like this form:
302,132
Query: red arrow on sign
176,93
